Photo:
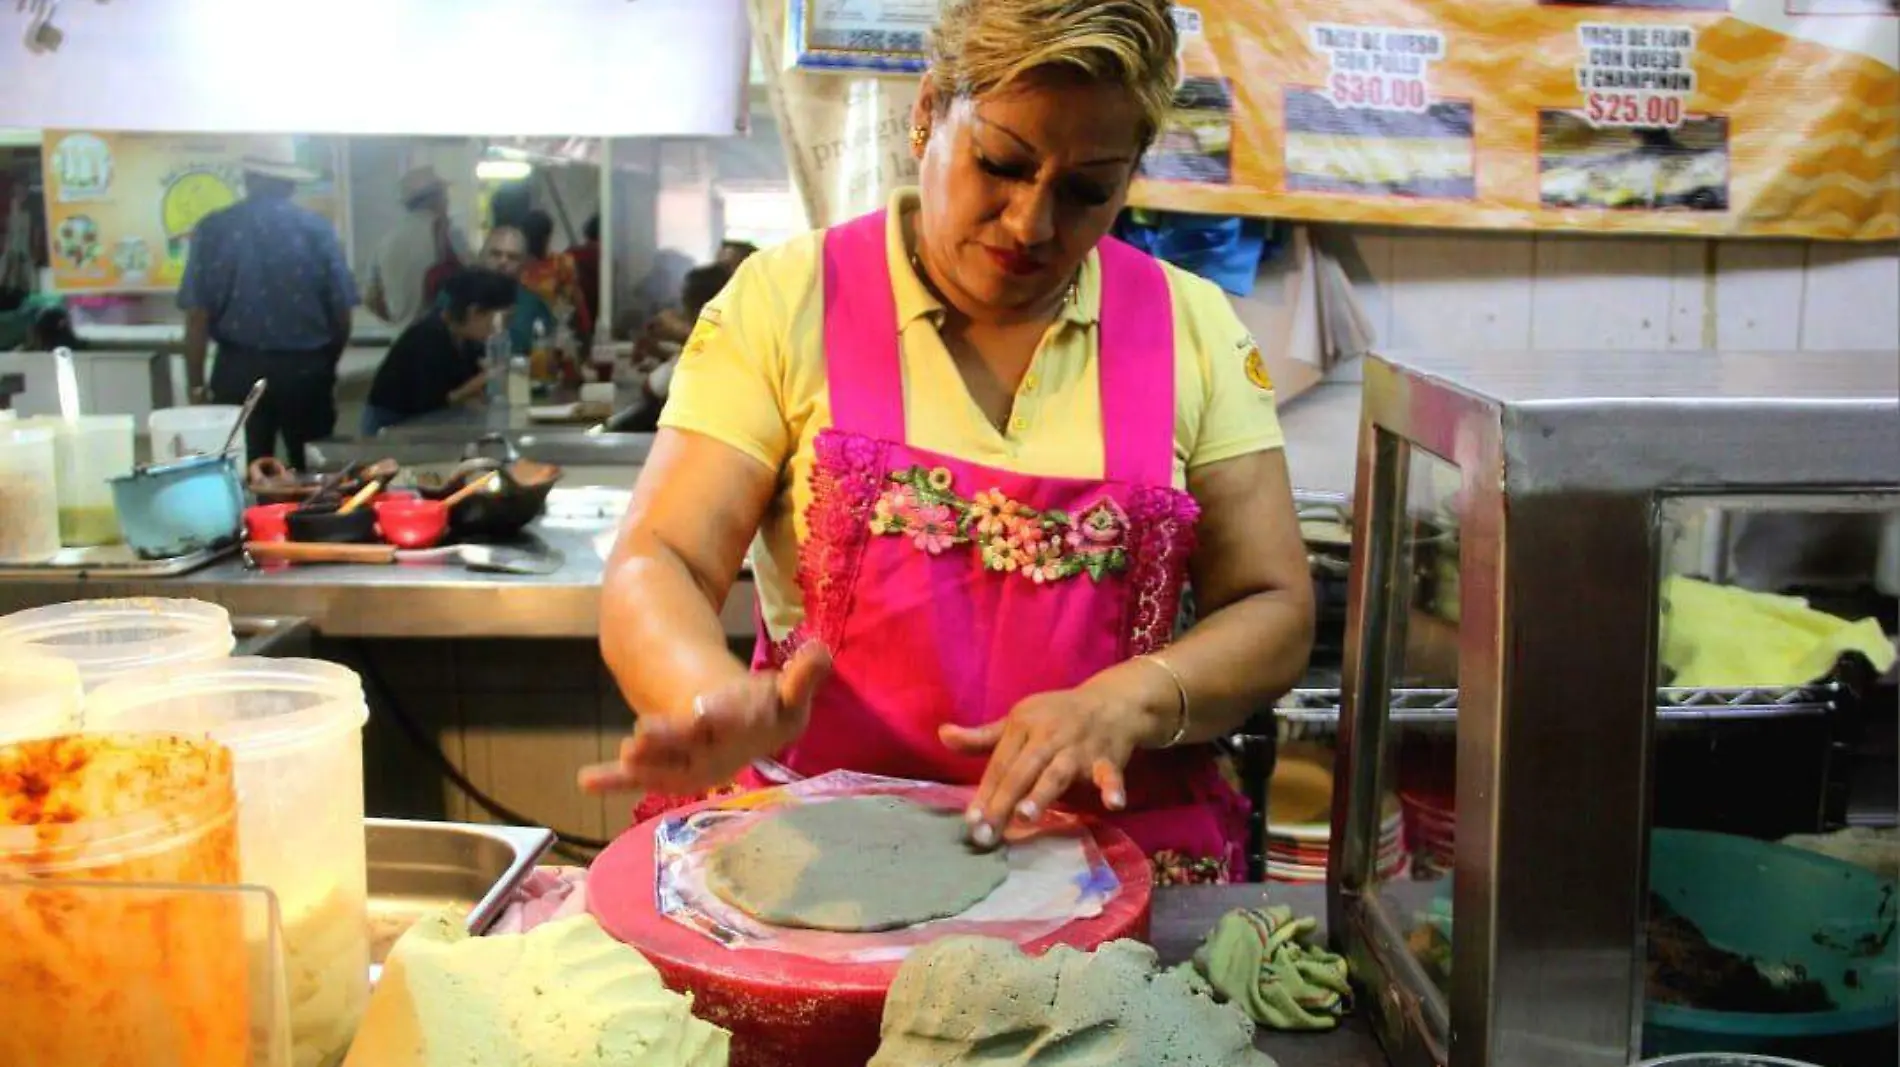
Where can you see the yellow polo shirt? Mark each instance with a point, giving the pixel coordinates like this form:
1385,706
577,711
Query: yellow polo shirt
753,377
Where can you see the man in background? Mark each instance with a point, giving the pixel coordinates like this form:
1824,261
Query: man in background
267,281
422,242
505,251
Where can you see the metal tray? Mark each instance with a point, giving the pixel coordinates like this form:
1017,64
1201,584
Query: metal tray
417,868
114,562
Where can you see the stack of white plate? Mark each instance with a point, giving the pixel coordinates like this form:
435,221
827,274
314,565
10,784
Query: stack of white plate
1299,819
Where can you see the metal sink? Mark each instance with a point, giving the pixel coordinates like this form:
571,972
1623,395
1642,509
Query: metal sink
417,868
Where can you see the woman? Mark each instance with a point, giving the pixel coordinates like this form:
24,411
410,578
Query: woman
437,362
973,446
552,277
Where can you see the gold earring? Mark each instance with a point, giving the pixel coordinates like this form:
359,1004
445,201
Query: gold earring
918,136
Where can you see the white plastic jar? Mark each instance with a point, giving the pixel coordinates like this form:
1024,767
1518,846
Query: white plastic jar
295,730
29,495
39,697
107,639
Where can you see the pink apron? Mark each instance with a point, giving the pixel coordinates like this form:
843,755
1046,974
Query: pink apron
948,592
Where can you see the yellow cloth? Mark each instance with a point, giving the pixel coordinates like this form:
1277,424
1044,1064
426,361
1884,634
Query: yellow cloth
1721,637
753,376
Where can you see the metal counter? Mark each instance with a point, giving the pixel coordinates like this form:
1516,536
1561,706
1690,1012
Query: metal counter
422,600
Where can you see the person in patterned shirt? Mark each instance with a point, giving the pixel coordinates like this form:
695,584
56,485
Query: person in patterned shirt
267,282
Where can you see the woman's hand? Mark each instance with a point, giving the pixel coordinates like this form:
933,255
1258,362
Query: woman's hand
1049,742
730,726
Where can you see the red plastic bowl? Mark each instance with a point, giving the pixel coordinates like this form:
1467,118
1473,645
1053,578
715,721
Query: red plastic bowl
408,523
267,522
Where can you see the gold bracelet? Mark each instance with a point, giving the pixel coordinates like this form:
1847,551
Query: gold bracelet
1180,687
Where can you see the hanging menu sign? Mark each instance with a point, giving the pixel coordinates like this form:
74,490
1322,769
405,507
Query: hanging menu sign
121,207
1708,117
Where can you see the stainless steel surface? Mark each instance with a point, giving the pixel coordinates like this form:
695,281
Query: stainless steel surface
422,600
1637,421
113,563
424,445
271,636
1183,915
1673,703
1564,461
416,868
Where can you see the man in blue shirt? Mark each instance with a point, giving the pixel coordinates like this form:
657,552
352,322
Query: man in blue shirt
267,282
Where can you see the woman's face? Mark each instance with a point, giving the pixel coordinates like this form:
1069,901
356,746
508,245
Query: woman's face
1019,185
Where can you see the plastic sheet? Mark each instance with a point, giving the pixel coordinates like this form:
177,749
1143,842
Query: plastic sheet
1055,876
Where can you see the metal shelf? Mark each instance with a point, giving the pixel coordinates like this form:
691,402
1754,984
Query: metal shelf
1672,704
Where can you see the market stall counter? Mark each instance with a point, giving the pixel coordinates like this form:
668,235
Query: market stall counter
433,600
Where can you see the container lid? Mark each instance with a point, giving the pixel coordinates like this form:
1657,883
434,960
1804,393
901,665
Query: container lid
39,697
109,638
254,705
194,415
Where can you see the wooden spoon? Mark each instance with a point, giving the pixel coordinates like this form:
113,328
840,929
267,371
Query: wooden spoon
469,490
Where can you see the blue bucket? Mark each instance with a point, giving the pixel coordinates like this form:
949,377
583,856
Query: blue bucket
177,508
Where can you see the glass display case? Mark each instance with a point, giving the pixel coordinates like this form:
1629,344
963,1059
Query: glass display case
1615,629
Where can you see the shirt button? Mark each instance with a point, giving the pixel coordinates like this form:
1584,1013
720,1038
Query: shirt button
1029,383
1018,424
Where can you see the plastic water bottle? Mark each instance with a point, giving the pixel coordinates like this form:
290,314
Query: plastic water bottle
495,361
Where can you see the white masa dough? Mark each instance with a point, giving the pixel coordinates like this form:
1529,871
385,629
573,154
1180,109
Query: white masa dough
854,864
564,993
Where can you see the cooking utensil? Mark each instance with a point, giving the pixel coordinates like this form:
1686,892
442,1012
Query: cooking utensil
362,496
477,486
176,508
67,378
493,559
327,524
244,415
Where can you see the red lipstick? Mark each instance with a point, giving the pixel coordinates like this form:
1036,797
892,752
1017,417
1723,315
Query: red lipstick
1011,262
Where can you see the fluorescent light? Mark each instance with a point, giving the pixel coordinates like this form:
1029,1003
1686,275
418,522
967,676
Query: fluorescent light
503,170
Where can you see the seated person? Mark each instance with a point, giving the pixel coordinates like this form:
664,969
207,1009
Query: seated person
659,358
437,362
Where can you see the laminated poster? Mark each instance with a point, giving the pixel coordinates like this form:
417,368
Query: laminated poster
1701,117
121,207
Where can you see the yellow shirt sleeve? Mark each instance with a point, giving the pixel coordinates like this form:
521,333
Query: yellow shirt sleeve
1237,412
727,385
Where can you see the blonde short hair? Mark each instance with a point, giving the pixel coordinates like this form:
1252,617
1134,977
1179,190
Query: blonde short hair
982,45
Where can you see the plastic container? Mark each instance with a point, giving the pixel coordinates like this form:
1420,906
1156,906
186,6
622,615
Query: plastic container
89,452
109,638
39,697
1773,902
91,977
29,499
1722,1060
200,428
294,728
